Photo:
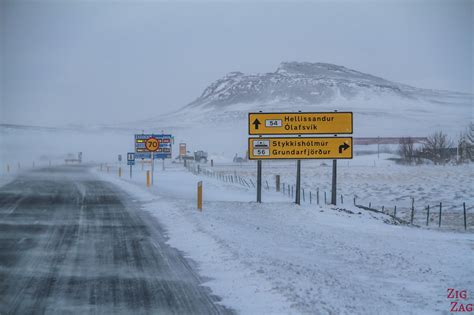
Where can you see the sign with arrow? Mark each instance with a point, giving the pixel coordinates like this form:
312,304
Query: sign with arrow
298,148
300,123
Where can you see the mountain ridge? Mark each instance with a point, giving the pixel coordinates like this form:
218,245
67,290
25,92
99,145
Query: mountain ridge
308,83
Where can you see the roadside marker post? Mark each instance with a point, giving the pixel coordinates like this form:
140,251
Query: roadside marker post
199,196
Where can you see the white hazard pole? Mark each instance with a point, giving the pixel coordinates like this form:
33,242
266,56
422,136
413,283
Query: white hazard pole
152,167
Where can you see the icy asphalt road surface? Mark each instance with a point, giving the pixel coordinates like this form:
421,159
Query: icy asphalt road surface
72,243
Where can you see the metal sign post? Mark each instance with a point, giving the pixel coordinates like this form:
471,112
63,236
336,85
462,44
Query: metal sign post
259,181
131,161
152,167
298,182
334,179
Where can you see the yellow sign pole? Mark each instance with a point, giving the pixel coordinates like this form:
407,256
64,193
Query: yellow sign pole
199,195
147,178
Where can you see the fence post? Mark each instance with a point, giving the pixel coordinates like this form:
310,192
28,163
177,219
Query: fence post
370,205
120,172
304,199
317,196
465,224
383,209
428,216
342,200
395,212
354,200
310,198
277,182
440,207
199,195
325,200
289,192
412,210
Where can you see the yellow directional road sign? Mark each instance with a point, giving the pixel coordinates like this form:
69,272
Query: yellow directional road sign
298,148
300,123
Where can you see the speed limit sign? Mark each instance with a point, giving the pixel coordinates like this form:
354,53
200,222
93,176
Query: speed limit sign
152,144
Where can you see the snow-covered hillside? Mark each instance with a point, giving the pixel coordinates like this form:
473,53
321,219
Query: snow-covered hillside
381,107
303,83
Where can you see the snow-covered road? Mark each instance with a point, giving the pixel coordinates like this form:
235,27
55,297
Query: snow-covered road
70,243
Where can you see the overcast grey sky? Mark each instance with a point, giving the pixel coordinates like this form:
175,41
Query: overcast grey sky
101,61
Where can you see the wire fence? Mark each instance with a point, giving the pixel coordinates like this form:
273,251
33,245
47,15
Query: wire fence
440,215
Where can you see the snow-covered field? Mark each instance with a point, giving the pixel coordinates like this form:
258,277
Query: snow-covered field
279,258
380,182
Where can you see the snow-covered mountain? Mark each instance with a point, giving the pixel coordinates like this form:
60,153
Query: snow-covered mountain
326,87
309,84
